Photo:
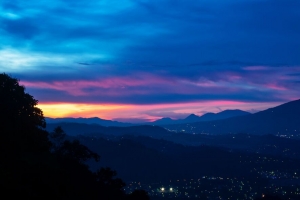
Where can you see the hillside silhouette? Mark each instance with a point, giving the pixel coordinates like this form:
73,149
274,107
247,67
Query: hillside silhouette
178,161
94,129
206,117
280,120
92,120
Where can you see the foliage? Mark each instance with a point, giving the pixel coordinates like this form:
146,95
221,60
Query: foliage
34,167
73,150
21,121
17,107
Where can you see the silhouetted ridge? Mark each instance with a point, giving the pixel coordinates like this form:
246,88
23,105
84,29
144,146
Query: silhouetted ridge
93,120
223,115
283,119
90,129
206,117
165,120
192,117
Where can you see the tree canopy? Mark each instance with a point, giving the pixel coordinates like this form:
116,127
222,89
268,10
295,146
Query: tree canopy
33,166
21,122
18,107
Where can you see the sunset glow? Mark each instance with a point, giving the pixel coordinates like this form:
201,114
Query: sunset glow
144,60
128,113
56,110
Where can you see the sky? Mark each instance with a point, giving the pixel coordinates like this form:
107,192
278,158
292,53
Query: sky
137,60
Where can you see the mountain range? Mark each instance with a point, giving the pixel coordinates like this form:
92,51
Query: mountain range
93,120
280,120
206,117
163,121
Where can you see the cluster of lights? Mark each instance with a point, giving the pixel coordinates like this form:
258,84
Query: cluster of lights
163,189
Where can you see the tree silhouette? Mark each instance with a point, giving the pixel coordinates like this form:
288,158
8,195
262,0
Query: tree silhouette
57,137
73,150
24,145
31,168
21,121
109,184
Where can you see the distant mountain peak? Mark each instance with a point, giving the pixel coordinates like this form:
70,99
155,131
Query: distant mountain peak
223,115
192,116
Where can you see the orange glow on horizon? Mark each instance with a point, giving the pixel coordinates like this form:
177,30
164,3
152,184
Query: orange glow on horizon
57,110
145,112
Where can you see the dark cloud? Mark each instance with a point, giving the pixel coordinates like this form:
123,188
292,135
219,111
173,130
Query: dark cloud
151,95
23,28
8,5
204,50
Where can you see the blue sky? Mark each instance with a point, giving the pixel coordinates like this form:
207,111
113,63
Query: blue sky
158,52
